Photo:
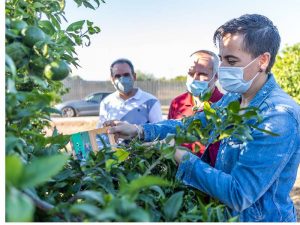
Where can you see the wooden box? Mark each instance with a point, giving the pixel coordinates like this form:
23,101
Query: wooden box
84,142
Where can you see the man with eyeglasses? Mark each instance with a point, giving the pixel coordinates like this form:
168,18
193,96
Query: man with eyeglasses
128,103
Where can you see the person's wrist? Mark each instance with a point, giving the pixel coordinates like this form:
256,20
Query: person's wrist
139,132
179,154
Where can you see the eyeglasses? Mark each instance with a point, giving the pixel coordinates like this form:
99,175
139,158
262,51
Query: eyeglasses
117,76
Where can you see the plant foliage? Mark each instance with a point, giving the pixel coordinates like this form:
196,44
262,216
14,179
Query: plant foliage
287,70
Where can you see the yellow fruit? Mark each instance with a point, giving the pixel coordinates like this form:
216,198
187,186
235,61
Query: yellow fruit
57,70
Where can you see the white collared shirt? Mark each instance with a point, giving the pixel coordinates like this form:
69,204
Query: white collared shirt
141,108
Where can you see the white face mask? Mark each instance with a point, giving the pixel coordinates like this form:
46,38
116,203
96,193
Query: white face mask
232,78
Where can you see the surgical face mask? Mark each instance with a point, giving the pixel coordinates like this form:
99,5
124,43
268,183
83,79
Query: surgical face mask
124,84
232,79
197,87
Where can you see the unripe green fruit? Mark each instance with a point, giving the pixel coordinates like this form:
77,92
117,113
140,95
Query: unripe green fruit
18,25
17,52
33,35
57,70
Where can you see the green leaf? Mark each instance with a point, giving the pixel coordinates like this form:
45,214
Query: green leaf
109,163
88,5
55,22
38,5
173,205
106,215
14,143
234,106
139,215
220,213
13,169
89,23
76,25
11,86
142,182
47,27
91,195
121,154
85,208
9,63
42,169
18,206
225,134
41,82
210,113
250,114
206,96
159,191
233,219
265,131
97,2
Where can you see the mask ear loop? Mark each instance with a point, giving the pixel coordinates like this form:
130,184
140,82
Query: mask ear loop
250,62
209,87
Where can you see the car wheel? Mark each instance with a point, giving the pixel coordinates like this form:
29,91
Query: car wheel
68,112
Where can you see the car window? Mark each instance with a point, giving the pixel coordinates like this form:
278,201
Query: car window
88,98
96,97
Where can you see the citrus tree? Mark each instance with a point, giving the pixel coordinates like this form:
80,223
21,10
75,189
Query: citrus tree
38,55
287,70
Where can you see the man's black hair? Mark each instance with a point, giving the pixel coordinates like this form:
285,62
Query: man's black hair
120,61
260,35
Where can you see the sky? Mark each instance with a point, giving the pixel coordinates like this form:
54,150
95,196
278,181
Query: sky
159,35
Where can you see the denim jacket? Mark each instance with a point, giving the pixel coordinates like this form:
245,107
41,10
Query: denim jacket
253,178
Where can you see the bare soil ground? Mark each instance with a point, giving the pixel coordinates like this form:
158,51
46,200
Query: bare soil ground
77,124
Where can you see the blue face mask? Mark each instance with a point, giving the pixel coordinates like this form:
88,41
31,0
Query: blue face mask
124,84
232,79
197,87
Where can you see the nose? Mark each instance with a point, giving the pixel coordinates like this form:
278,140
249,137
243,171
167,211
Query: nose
196,76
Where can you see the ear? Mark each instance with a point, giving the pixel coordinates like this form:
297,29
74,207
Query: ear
111,79
264,61
134,76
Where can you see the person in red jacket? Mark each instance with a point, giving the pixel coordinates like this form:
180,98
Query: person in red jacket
201,78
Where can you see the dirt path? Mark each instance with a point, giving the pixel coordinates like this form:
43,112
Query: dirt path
77,124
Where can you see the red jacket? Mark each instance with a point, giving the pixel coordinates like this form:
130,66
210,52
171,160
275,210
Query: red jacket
182,106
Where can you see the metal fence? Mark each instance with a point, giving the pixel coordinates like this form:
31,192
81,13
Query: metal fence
165,91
